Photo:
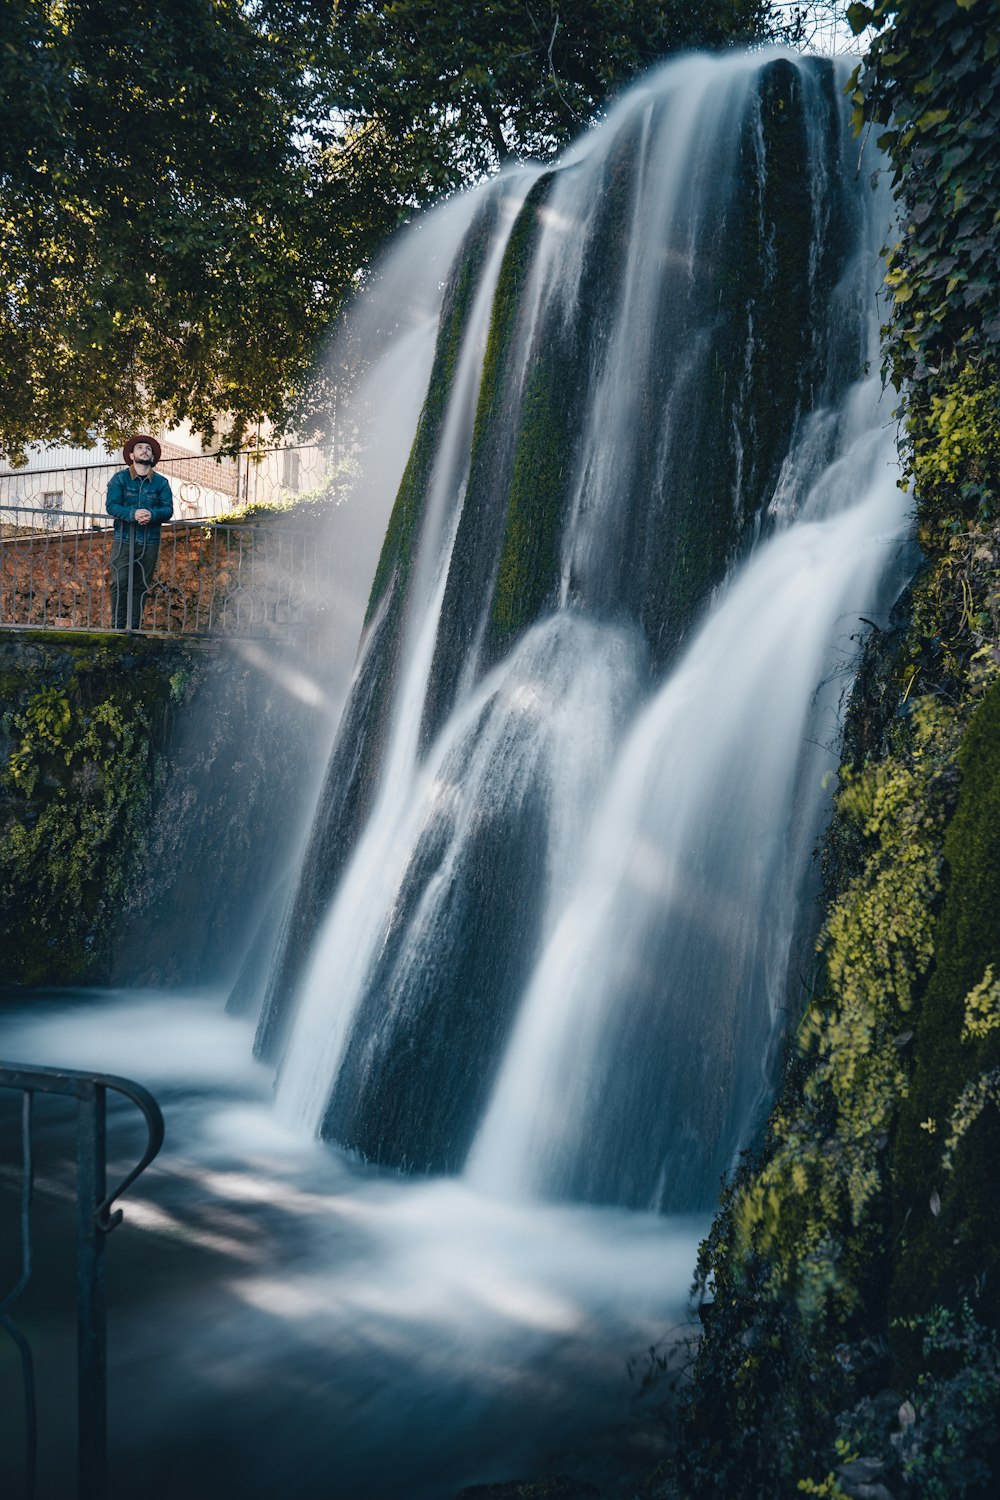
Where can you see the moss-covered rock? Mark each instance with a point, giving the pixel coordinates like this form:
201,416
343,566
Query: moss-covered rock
497,452
864,1220
354,773
85,724
148,788
948,1141
402,534
854,1268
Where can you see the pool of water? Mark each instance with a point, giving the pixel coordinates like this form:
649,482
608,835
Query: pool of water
284,1320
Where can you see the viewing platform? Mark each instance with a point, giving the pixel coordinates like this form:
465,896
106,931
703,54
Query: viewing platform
212,577
219,573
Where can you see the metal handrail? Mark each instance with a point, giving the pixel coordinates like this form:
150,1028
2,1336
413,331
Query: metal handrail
74,520
204,485
95,1218
253,456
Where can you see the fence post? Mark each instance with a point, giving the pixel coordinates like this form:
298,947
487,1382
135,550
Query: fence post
131,573
92,1354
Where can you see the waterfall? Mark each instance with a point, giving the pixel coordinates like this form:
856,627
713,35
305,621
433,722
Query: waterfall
546,928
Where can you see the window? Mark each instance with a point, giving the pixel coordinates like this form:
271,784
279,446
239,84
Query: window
52,502
290,468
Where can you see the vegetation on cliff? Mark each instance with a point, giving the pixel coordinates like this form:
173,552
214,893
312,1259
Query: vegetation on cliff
851,1284
148,787
83,726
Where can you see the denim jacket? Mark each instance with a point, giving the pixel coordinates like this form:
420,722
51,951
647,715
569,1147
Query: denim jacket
127,495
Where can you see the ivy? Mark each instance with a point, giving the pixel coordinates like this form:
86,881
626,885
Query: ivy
961,439
43,726
975,1097
930,79
937,1444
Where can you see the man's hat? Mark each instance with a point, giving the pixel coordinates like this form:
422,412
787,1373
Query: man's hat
141,437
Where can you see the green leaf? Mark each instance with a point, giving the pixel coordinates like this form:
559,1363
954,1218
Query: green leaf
932,117
859,17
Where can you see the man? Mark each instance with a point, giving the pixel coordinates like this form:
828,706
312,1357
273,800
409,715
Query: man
140,502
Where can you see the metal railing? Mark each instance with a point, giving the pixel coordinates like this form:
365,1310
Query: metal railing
203,485
95,1218
209,578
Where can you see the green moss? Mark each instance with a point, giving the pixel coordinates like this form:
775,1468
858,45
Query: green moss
529,560
497,441
506,304
404,523
84,720
945,1194
527,550
867,1219
816,1203
852,1216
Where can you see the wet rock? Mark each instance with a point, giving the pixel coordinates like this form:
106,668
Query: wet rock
861,1470
557,1487
861,1479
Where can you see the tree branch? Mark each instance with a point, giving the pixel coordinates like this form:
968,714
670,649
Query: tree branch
554,75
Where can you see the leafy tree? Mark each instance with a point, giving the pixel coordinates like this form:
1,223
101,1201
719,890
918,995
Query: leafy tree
189,192
513,78
170,243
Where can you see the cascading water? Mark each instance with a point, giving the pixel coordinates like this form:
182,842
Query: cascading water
640,1057
544,929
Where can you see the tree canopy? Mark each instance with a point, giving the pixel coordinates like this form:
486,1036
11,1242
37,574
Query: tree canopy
189,192
513,78
169,243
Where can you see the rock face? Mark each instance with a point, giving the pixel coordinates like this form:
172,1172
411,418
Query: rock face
644,362
86,723
235,794
945,1189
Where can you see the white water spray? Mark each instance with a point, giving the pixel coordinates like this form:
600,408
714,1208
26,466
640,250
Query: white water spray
583,894
686,900
351,939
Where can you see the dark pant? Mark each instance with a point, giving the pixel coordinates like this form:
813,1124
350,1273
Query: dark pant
141,564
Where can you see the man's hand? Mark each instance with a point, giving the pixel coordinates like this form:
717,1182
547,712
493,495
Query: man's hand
144,517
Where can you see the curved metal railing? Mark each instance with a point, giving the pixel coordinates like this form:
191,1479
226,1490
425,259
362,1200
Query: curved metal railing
96,1216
